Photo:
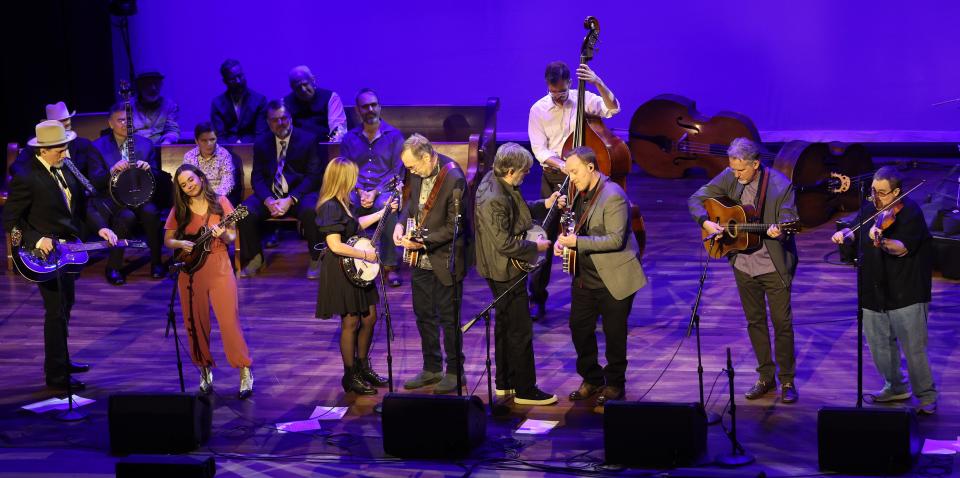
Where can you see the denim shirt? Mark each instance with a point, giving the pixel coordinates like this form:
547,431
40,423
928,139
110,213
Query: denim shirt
378,161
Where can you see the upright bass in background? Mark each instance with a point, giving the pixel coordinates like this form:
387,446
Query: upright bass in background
668,136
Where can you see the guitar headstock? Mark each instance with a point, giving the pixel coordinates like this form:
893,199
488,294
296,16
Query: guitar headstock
590,41
135,243
125,90
791,227
568,221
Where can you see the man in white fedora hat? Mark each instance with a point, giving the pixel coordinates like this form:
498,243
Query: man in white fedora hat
80,150
47,203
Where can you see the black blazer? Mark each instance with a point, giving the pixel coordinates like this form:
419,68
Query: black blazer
439,221
110,155
245,129
303,169
38,207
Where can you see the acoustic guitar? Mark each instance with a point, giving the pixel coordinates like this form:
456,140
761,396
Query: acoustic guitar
741,232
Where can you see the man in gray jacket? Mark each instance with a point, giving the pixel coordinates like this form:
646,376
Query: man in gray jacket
502,216
606,277
764,274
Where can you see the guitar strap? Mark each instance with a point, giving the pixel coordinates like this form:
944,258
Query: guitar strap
761,198
590,206
434,192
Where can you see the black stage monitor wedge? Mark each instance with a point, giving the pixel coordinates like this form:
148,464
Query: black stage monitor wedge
158,422
867,440
654,435
410,425
153,466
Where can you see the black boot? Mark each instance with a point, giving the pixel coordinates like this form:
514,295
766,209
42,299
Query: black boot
352,382
367,373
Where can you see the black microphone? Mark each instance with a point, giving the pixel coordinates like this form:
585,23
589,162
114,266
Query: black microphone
457,195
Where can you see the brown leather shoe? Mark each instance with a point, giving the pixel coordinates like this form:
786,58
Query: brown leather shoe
610,393
760,389
585,391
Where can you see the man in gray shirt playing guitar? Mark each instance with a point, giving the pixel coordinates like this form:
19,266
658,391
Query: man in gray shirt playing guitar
763,274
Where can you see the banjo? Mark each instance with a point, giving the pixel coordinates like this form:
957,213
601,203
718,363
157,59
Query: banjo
133,186
536,233
360,272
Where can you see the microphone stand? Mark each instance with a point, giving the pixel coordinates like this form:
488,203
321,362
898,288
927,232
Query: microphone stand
71,414
457,289
737,456
858,264
385,306
171,321
712,418
495,409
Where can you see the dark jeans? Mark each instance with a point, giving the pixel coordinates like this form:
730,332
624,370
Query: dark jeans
433,303
754,294
387,249
249,227
586,305
540,278
124,219
513,339
54,340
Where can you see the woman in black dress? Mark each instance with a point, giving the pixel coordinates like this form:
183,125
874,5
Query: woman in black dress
356,306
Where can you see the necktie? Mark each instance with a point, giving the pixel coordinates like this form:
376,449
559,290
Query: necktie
63,184
278,178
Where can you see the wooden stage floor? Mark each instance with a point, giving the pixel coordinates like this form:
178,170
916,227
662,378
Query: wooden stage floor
120,330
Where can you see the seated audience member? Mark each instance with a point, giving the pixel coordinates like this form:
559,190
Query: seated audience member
154,116
215,162
239,114
315,109
114,157
80,151
375,147
286,178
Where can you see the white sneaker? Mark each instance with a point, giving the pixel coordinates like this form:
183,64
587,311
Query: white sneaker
246,383
206,380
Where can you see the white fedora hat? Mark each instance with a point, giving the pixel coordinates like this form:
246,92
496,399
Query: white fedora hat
51,133
59,112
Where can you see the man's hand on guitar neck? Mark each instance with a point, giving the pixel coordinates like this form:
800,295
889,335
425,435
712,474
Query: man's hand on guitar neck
773,231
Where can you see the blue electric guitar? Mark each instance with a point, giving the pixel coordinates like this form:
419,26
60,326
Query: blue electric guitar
68,255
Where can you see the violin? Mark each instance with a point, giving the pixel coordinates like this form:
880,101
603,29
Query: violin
885,219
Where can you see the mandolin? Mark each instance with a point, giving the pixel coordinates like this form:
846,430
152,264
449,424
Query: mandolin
194,260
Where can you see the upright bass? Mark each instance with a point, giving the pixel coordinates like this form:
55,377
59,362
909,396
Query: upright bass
613,155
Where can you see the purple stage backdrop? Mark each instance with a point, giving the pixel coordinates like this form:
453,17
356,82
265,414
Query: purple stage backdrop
814,65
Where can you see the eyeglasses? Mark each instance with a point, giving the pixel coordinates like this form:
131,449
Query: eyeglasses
882,194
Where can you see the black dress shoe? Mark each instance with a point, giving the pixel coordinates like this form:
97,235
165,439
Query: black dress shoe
760,389
610,393
77,367
114,277
788,393
60,383
585,391
157,271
